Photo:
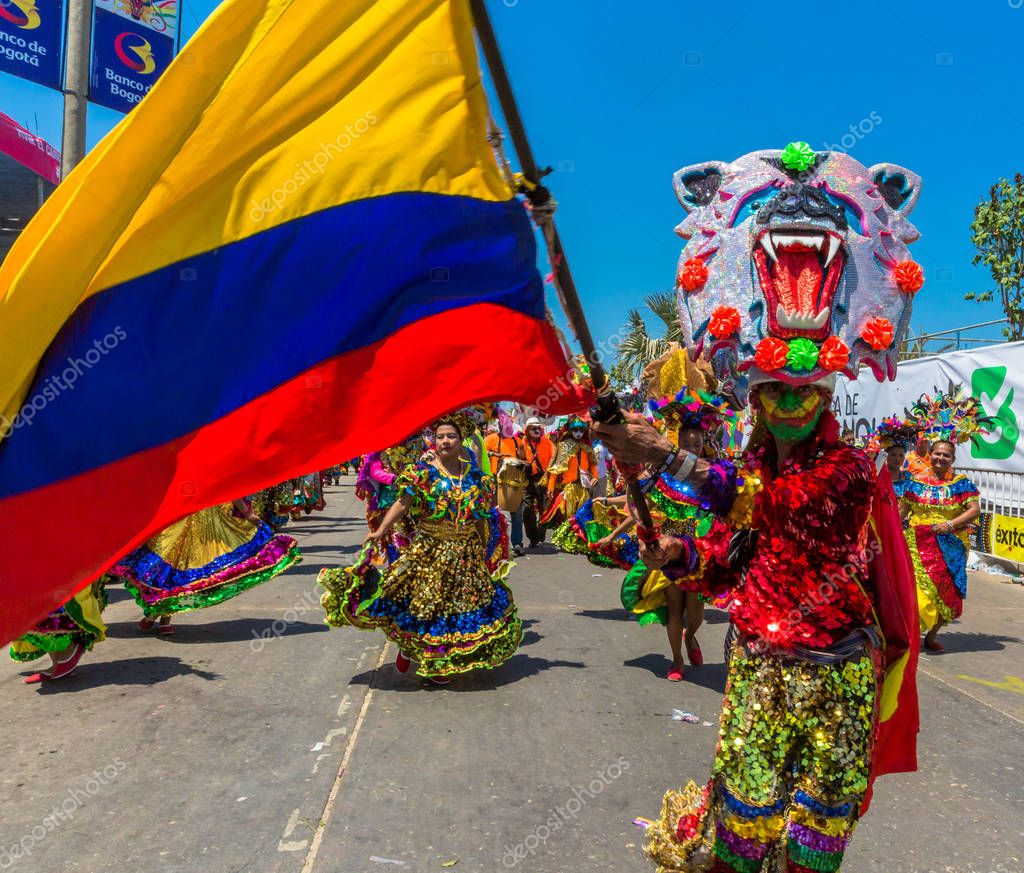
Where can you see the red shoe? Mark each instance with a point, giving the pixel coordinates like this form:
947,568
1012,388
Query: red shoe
695,655
934,645
675,674
439,680
146,624
166,628
60,670
402,662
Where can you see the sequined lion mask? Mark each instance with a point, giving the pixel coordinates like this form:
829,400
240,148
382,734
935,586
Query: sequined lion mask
796,265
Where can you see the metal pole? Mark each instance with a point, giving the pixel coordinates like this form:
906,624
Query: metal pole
565,285
76,83
608,409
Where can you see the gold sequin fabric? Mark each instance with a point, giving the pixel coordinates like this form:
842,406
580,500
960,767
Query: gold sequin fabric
438,602
790,772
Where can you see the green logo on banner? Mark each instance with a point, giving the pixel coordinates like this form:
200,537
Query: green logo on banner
986,383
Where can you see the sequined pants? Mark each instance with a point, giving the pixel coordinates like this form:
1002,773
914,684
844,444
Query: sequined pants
793,761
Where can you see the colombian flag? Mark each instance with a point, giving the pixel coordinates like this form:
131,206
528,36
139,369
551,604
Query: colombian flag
296,249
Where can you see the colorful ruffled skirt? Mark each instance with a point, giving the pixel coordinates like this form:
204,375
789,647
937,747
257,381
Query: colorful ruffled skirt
439,602
593,521
204,559
564,504
77,622
307,495
940,568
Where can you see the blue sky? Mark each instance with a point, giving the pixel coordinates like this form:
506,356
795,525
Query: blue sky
618,94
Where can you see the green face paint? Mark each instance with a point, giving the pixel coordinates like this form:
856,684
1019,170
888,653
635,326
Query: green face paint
790,416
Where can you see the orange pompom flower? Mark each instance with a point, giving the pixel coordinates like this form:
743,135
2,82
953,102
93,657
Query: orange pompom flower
909,276
771,354
725,322
693,275
834,354
878,333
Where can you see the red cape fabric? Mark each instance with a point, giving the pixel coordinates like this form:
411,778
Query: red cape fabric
891,577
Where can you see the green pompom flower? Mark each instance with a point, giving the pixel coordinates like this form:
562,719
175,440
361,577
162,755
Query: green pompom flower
803,354
798,156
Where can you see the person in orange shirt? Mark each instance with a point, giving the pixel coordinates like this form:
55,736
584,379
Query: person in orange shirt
571,474
500,448
539,452
919,462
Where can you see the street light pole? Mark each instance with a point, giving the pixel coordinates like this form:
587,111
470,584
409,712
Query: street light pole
76,83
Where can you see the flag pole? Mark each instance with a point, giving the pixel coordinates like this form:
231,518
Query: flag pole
607,410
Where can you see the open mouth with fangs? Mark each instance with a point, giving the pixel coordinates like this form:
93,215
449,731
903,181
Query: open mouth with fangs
799,269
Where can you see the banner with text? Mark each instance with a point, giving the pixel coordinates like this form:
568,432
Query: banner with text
32,39
993,374
128,57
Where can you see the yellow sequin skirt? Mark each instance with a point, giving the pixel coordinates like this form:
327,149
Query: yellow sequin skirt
438,602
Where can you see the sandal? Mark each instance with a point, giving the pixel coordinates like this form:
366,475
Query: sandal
675,674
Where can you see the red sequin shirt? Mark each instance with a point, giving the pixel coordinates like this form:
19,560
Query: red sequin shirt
803,582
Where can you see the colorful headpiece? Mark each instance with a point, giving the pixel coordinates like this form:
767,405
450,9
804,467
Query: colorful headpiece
893,432
796,265
953,415
465,420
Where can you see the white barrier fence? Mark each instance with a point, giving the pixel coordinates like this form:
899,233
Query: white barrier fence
1001,492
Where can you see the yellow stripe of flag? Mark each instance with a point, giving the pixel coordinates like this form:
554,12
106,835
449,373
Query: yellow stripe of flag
276,109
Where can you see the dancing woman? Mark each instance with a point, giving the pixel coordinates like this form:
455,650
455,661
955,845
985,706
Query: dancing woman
438,602
939,508
204,559
65,634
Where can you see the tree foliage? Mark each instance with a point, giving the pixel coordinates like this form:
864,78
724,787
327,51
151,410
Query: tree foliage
638,347
998,234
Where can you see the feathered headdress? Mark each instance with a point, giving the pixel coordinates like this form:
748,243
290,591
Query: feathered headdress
953,415
892,432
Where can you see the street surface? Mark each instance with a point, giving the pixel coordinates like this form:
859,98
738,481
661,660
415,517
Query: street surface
257,740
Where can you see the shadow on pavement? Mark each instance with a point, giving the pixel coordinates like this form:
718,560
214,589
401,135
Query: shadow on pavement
517,667
972,642
619,614
711,676
237,630
127,671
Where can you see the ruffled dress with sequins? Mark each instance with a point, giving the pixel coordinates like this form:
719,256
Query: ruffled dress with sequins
940,559
204,559
439,602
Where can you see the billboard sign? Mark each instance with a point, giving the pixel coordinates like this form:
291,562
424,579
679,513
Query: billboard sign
32,39
128,57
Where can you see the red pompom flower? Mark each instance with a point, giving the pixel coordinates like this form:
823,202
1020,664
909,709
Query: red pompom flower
909,276
771,354
878,333
725,322
693,274
834,354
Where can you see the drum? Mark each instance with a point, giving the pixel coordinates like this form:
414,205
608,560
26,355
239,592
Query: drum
511,484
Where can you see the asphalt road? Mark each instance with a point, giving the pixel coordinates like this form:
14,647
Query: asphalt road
258,740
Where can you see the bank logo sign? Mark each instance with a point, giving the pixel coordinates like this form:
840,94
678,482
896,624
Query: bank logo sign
128,57
31,40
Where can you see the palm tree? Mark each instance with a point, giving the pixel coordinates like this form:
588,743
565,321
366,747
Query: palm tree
638,348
